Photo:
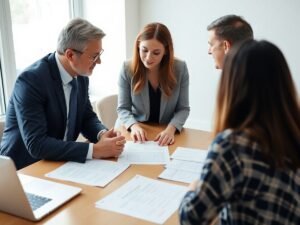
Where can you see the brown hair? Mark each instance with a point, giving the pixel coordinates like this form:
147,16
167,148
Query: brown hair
257,95
232,28
167,79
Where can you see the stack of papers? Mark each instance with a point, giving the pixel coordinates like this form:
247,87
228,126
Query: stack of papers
186,165
95,172
145,198
148,152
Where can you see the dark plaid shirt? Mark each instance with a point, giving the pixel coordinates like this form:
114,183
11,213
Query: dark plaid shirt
237,184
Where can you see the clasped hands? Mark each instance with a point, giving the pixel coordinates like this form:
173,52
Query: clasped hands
166,137
111,144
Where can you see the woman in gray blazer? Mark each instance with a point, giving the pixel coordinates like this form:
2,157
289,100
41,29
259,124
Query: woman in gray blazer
153,86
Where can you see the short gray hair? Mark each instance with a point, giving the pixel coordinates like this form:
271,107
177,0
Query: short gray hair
232,28
76,34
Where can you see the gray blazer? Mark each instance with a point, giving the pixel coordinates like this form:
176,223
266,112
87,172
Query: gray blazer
133,108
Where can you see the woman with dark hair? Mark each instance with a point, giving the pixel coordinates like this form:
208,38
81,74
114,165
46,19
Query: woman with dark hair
251,175
153,86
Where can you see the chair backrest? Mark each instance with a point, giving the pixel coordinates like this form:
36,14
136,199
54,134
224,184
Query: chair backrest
106,109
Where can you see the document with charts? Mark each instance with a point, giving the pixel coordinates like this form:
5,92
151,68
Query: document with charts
95,172
145,198
148,152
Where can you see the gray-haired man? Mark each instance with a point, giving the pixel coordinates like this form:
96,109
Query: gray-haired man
50,104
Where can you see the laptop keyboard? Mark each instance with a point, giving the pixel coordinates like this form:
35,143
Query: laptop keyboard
36,201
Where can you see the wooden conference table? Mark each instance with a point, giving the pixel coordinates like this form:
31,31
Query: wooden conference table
82,211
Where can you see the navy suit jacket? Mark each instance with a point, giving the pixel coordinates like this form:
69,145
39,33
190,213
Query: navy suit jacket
36,117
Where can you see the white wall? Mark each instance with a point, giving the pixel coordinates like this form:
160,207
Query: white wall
132,26
109,15
274,20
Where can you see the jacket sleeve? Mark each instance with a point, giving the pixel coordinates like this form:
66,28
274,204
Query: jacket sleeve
125,115
182,109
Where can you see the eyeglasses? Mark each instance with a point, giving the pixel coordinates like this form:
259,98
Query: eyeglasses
93,58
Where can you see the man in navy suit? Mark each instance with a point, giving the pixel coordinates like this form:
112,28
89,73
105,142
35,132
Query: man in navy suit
50,104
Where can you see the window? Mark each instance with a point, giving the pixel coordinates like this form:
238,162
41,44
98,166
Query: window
29,30
36,25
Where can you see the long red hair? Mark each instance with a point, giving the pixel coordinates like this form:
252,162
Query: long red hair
167,79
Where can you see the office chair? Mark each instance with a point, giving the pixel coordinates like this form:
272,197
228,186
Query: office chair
106,109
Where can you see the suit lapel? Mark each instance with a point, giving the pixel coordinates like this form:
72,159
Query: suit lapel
57,85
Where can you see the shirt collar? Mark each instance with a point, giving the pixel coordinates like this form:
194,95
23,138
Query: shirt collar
65,76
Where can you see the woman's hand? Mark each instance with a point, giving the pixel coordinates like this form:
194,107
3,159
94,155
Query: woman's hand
167,136
138,133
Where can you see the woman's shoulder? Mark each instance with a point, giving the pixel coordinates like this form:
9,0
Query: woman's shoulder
232,137
127,62
125,70
236,142
180,68
179,63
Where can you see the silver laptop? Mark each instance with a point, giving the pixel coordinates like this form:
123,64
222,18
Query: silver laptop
30,197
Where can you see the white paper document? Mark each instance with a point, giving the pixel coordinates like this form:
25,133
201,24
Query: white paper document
190,154
182,171
148,152
179,175
145,198
94,172
189,166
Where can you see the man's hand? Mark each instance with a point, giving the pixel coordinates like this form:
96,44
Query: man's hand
111,144
111,133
